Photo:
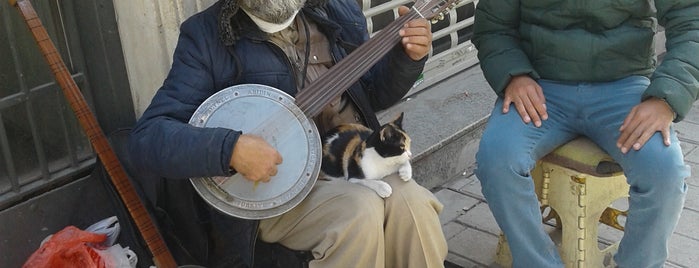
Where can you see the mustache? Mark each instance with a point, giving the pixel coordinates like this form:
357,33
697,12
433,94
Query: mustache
274,11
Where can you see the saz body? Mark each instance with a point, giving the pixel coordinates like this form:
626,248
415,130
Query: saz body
355,153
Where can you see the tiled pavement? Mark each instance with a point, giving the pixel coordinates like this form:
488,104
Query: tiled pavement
473,234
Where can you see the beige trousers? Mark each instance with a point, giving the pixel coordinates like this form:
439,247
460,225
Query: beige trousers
348,225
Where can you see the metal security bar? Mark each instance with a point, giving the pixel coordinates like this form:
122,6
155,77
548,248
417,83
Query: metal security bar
452,50
40,141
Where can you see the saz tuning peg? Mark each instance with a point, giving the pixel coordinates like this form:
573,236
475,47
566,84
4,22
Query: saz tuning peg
446,10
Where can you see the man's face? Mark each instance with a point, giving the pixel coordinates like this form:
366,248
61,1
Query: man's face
273,11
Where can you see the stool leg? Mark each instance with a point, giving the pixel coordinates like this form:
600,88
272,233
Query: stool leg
580,200
600,193
564,199
503,256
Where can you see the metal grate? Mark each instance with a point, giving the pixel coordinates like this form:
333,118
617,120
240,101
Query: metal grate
40,140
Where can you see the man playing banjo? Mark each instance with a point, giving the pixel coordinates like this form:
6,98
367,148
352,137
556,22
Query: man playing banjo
285,45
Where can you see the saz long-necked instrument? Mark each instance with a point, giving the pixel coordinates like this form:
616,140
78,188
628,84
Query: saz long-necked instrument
285,123
126,190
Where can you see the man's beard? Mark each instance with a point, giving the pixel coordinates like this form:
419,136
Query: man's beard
273,11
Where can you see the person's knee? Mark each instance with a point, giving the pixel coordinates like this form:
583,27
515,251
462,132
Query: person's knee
498,161
662,181
359,208
657,169
656,159
409,196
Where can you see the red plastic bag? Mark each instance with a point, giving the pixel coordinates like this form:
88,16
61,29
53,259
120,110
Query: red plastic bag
70,247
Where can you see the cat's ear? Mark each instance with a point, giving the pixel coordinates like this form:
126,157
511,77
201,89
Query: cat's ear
382,134
399,120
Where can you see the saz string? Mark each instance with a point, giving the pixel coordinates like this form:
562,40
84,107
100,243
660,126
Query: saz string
313,98
126,190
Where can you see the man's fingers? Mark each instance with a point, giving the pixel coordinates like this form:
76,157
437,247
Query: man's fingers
632,134
531,112
528,99
540,95
417,27
522,110
539,107
625,133
540,104
416,40
402,10
642,139
627,120
278,159
506,104
420,41
631,138
666,136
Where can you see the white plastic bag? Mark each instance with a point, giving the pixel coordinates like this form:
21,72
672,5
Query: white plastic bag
114,255
109,227
117,256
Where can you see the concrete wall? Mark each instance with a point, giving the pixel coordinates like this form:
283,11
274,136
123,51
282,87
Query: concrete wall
149,31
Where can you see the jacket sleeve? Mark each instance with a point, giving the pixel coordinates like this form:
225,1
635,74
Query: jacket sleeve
495,35
392,78
676,78
162,143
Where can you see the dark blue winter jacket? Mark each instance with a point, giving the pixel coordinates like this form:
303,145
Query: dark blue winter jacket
217,48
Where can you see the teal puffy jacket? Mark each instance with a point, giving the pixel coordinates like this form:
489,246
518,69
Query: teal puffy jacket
591,41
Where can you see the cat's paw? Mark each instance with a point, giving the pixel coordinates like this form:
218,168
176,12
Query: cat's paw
381,188
405,172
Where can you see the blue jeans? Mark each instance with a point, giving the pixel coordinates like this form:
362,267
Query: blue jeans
509,149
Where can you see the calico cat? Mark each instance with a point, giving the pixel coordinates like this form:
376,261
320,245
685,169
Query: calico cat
353,152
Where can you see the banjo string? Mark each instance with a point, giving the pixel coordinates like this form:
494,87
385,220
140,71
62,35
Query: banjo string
314,99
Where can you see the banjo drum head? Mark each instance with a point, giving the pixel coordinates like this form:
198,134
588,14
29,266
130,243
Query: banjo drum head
271,114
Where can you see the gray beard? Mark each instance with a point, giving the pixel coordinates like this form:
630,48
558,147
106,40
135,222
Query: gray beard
273,11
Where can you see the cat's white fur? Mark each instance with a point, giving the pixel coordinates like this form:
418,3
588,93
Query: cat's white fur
332,138
376,167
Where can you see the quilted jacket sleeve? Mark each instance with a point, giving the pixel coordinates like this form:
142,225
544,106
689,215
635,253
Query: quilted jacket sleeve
163,143
496,37
676,79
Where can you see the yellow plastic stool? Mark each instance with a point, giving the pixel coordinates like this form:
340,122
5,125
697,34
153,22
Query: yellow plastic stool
578,182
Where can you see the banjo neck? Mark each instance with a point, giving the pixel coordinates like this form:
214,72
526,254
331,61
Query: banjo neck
314,97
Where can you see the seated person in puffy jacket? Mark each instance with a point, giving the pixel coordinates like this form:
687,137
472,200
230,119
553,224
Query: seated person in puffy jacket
563,68
274,43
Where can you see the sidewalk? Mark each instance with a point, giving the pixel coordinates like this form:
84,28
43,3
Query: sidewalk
467,221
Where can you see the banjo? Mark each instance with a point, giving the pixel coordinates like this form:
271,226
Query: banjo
285,123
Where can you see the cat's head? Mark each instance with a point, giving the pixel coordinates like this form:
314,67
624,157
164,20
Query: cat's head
391,140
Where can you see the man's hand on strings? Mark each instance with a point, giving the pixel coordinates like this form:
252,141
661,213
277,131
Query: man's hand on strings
255,159
416,36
